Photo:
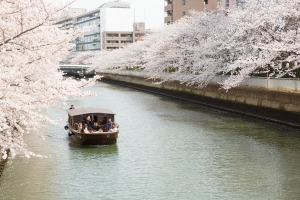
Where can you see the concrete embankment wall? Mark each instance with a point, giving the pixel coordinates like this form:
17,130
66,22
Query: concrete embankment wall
276,106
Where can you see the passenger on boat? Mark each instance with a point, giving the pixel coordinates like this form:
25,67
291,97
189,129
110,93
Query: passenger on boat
114,127
88,122
108,125
92,118
85,130
72,107
96,126
80,127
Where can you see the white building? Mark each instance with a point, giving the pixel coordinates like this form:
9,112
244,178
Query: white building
90,41
116,39
65,21
112,16
116,16
72,12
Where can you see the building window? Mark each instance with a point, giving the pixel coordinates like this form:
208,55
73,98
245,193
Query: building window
112,35
112,41
183,13
138,34
240,3
183,2
126,35
124,41
111,48
205,1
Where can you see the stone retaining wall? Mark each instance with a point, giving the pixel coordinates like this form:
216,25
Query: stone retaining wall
277,106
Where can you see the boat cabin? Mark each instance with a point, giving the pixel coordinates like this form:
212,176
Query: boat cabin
100,115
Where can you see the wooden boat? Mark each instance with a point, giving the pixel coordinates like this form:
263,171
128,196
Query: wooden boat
77,116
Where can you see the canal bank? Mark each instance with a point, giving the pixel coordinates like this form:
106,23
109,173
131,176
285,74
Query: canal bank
275,106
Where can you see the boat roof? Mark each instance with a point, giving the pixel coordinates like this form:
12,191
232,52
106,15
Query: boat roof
87,110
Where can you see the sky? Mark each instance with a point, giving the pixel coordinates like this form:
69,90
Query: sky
150,11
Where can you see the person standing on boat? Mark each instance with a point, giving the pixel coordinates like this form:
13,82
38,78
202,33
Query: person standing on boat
108,124
88,122
72,107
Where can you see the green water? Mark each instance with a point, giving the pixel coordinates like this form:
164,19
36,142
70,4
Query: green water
167,149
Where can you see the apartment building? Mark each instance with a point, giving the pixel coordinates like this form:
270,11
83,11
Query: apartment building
116,39
91,40
65,21
72,12
232,3
116,18
175,9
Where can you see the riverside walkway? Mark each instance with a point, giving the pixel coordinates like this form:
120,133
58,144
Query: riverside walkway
279,84
276,100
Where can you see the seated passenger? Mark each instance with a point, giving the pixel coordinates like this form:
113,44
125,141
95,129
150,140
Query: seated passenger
114,127
85,130
76,126
96,127
80,127
108,125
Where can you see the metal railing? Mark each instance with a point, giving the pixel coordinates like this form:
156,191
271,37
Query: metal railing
282,84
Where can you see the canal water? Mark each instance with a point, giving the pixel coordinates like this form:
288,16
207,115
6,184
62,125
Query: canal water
167,149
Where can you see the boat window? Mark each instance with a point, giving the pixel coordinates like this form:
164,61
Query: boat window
100,120
104,120
95,118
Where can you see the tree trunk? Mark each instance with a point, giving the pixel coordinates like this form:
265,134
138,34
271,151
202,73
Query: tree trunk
3,162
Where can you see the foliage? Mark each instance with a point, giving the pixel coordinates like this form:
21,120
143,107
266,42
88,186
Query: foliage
239,42
30,50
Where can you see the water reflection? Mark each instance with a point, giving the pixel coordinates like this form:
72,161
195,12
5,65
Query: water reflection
84,151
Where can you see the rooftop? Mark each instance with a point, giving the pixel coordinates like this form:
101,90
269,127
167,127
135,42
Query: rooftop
116,4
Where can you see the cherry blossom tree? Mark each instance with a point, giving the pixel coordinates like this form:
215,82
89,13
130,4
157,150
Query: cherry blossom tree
30,50
128,56
176,48
193,48
239,42
265,35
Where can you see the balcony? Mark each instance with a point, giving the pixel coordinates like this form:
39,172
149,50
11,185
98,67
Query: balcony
169,7
168,19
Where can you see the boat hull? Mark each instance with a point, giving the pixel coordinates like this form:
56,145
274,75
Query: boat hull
105,138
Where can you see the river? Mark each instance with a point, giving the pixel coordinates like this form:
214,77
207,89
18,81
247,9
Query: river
167,149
